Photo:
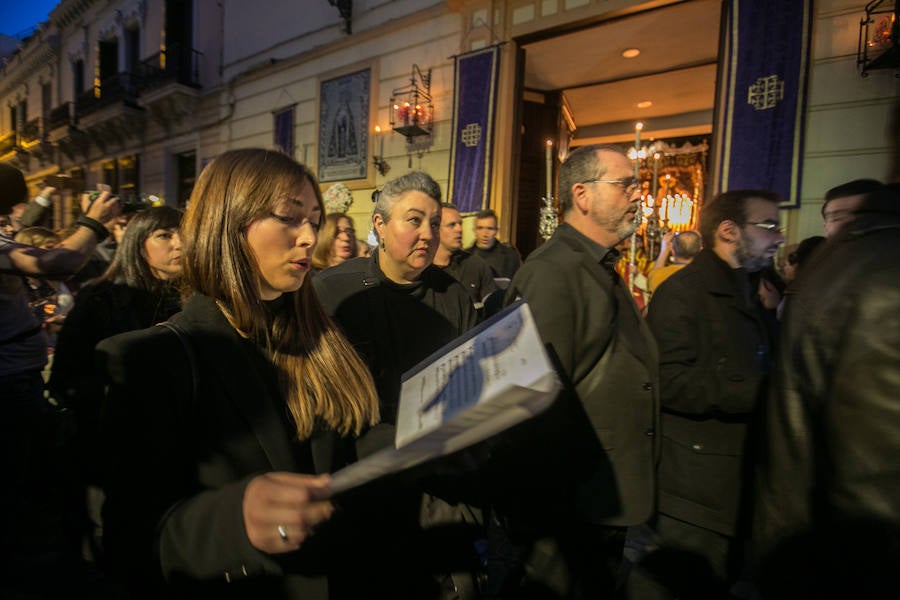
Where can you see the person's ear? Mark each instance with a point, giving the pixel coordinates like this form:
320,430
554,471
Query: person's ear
580,198
728,231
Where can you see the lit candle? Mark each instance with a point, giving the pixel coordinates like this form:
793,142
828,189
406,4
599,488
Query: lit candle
380,139
655,173
637,149
549,156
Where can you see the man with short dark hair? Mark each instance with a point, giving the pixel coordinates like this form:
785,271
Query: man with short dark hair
466,268
715,341
503,260
842,201
595,448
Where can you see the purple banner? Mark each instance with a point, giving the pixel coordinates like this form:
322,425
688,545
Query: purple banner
762,96
475,84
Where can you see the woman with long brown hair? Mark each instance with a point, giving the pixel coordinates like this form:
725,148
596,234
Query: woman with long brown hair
211,418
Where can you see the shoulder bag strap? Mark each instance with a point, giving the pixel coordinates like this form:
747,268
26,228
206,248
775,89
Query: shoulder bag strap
189,350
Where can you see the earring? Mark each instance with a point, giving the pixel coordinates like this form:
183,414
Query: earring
382,243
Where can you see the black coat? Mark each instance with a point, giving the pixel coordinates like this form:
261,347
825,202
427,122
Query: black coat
832,441
392,326
595,447
101,310
715,350
181,448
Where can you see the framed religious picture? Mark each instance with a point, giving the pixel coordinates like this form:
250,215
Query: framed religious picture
344,116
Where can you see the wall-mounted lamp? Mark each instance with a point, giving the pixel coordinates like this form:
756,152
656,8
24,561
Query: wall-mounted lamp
412,113
381,165
879,31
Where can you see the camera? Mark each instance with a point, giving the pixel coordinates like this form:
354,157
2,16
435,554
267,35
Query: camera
128,203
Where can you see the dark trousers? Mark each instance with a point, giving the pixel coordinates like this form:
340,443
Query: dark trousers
687,562
578,562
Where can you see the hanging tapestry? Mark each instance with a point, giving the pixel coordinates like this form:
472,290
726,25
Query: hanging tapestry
762,96
474,101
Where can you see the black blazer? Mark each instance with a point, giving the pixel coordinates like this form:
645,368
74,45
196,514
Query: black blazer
599,439
181,448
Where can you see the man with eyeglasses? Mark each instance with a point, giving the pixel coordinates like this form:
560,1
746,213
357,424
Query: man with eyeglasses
595,448
715,340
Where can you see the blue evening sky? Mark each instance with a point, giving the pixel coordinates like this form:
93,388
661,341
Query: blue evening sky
18,15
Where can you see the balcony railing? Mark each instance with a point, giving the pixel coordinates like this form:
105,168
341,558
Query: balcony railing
61,116
32,131
7,142
177,64
118,88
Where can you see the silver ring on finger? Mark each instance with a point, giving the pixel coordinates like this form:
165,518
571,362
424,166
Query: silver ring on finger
282,532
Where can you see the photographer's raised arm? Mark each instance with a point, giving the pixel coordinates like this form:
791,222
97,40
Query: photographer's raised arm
37,210
74,251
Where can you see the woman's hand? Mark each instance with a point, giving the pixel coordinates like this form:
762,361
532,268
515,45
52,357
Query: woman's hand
281,510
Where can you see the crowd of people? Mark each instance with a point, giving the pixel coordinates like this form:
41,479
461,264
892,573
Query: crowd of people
733,435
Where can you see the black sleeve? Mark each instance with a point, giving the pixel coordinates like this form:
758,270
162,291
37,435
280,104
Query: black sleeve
159,521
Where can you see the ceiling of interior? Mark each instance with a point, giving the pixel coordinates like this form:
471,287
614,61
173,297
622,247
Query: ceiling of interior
675,71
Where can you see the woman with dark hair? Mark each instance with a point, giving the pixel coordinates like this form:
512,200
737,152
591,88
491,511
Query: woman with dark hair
139,289
211,419
337,242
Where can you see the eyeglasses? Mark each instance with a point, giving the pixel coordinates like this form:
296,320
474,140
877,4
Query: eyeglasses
628,185
768,226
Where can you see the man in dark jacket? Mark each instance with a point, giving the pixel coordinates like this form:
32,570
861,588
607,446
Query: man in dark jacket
465,267
503,260
715,342
595,447
829,483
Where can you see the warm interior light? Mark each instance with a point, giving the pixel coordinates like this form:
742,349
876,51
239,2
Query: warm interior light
645,104
549,142
638,126
378,129
630,53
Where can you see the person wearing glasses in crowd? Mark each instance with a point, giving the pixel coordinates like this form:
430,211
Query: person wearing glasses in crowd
596,446
337,242
214,427
715,342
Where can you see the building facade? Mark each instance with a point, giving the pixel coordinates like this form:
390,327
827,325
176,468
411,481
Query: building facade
141,94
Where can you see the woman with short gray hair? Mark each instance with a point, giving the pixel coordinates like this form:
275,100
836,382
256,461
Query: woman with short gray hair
397,308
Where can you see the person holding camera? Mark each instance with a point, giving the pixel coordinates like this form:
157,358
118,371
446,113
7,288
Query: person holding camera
26,502
105,251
